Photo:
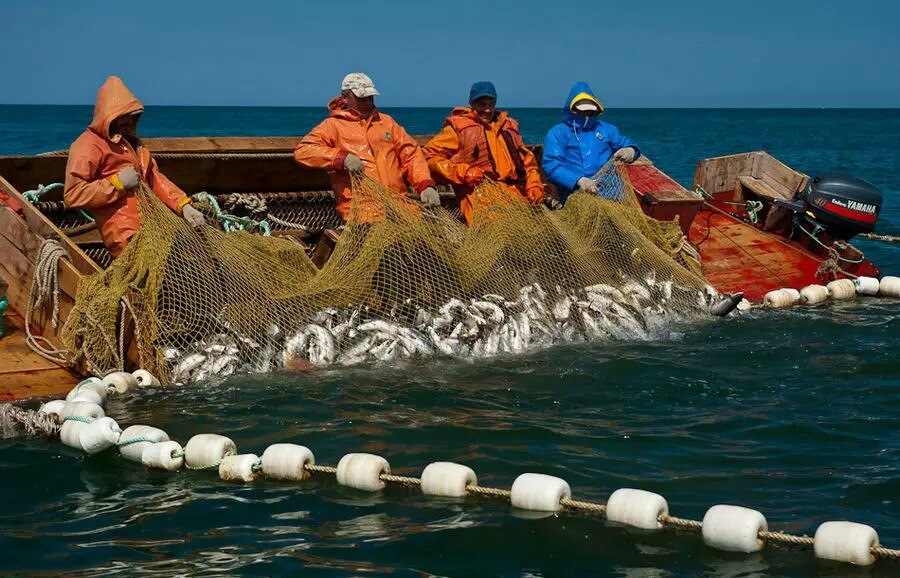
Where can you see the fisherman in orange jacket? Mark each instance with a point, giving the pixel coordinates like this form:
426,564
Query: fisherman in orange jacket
478,142
358,138
108,162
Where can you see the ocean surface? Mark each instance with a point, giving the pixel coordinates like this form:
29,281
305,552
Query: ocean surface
793,413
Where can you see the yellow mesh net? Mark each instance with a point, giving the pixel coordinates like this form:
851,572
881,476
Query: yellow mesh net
402,282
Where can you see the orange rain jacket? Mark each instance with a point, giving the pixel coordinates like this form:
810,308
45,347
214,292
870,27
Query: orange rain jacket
97,155
467,141
388,153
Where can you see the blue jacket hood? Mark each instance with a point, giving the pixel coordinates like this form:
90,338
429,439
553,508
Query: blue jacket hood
572,119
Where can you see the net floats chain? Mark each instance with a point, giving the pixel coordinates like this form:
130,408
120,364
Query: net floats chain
724,527
837,290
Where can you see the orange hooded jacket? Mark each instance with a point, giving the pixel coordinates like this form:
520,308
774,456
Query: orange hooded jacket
97,155
466,141
388,153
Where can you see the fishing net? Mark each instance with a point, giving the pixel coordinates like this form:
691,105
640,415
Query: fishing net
402,282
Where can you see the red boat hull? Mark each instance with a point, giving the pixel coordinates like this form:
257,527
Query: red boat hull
736,254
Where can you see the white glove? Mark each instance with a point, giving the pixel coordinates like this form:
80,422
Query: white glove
587,185
430,197
129,178
193,216
626,155
353,164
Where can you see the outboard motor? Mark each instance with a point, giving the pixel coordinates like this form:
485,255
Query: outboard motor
842,205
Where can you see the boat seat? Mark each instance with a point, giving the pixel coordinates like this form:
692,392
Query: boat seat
762,188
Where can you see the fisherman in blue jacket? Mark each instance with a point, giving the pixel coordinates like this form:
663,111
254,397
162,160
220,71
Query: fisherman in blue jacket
579,146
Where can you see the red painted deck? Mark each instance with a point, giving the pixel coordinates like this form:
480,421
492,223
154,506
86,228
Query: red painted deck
736,255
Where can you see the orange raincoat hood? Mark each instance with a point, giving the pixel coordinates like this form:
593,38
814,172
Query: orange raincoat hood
113,100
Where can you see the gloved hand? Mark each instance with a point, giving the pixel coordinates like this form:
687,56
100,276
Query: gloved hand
626,155
552,203
430,197
587,185
128,178
192,216
353,164
473,176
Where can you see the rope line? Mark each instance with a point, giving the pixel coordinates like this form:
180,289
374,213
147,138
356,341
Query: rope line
317,469
402,480
886,238
680,523
583,506
136,440
44,289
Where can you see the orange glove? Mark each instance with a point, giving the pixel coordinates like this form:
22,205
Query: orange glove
473,176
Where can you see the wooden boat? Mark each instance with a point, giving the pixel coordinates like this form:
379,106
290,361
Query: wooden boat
737,254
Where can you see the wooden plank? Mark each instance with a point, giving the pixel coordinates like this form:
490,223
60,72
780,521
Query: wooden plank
23,373
720,174
780,176
27,245
82,262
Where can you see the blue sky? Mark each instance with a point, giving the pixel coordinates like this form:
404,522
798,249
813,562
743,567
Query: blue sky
644,53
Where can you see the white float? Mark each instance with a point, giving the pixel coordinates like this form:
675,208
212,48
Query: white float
889,286
135,439
207,450
814,294
778,299
83,409
145,379
85,413
734,528
636,508
447,479
167,455
121,381
53,407
842,289
90,384
794,293
846,542
239,468
539,492
99,435
287,461
867,285
88,395
362,471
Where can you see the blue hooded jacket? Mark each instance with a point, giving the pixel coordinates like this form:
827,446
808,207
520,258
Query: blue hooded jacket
579,146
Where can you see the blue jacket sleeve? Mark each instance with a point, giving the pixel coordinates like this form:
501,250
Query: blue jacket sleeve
620,141
554,162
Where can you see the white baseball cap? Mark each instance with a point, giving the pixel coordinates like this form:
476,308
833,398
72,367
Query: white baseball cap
359,84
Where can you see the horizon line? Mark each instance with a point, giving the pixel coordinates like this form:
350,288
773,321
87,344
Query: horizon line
509,107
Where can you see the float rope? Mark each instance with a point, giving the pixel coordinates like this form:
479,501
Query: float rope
34,197
46,422
45,287
885,238
230,223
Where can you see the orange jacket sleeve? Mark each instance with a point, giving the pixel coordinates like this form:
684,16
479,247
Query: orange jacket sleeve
320,149
167,191
412,160
85,188
439,150
534,186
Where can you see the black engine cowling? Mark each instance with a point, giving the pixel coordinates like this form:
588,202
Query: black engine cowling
846,206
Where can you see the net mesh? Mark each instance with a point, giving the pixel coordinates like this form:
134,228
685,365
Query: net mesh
403,282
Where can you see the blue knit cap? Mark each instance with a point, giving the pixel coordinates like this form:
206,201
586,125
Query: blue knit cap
482,88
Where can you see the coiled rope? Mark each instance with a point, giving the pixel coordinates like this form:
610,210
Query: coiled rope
44,288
